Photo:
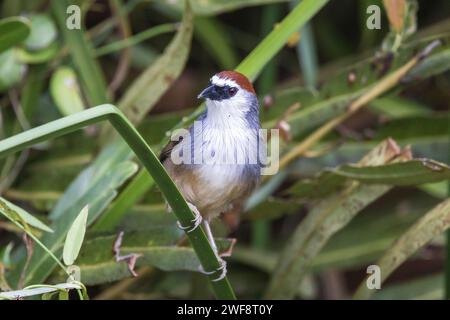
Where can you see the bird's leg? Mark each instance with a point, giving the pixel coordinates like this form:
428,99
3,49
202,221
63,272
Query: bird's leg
223,263
210,237
196,221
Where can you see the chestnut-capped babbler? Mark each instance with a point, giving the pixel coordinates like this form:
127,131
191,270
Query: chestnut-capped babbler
216,163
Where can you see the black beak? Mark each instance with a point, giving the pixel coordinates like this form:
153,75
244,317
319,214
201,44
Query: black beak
210,92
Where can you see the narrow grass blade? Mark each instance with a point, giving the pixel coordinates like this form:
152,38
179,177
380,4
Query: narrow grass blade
146,90
197,237
21,215
82,54
135,39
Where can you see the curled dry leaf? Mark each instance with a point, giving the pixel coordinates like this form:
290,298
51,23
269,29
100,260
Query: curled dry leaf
283,125
396,10
293,39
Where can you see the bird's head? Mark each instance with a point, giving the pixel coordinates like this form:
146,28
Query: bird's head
230,91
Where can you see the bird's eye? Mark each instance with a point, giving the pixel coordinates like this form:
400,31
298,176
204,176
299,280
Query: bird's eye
232,91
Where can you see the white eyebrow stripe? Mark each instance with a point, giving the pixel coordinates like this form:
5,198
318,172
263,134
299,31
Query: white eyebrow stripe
223,82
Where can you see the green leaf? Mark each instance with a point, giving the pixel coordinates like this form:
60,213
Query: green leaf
135,39
197,237
11,70
18,213
364,239
406,173
323,221
438,190
435,64
413,172
40,56
327,217
432,127
215,39
372,232
5,254
430,139
153,129
17,220
75,237
48,295
43,32
32,89
398,107
65,91
96,188
267,48
92,80
63,295
13,31
432,224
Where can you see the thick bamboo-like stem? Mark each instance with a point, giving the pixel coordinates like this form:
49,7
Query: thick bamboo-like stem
198,239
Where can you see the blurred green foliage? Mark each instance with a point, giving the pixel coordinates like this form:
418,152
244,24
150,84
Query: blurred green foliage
372,191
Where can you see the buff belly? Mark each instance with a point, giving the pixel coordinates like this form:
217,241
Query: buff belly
213,189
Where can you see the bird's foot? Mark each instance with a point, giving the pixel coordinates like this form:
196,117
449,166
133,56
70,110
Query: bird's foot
222,269
196,221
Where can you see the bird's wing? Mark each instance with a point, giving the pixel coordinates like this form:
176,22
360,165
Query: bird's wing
165,152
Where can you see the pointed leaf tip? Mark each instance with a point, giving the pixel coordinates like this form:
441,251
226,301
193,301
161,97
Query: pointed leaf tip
75,237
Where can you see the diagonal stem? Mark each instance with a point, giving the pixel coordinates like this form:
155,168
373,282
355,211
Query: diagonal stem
198,239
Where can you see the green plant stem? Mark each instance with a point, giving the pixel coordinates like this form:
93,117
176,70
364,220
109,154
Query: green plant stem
35,239
297,18
137,38
307,55
198,239
260,229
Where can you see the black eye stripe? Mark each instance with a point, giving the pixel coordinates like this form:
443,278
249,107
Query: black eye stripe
218,93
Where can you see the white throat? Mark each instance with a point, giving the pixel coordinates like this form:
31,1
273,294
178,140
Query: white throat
226,114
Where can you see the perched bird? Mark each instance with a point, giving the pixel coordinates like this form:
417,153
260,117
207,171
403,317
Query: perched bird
222,152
